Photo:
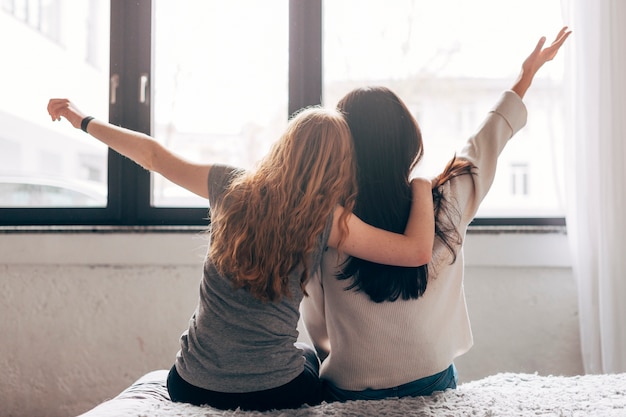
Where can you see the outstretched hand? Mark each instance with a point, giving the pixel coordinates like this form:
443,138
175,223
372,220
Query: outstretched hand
62,107
540,55
537,58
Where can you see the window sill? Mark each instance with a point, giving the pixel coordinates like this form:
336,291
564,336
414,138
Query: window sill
99,229
486,246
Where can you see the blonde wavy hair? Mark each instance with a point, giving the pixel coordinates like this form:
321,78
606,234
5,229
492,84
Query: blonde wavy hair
271,218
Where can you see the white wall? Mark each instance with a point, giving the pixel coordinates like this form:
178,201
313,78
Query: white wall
84,314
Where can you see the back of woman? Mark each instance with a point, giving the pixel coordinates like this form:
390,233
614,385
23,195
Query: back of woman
388,344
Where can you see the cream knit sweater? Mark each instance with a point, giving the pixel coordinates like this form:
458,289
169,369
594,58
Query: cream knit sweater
384,345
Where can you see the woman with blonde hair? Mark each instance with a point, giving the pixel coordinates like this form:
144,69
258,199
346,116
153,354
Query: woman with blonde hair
269,228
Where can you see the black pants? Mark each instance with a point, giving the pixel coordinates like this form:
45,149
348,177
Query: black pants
304,389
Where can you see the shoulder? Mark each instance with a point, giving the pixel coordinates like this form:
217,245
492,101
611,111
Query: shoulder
219,177
223,173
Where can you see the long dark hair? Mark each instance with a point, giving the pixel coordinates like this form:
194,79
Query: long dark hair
388,145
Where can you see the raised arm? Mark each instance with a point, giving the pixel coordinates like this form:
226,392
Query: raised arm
506,118
413,248
139,147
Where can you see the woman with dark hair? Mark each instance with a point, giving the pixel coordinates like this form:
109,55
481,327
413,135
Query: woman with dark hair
388,331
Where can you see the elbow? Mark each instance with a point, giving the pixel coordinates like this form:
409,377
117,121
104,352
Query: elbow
149,158
420,258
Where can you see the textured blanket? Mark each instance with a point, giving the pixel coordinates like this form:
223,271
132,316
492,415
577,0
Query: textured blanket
503,394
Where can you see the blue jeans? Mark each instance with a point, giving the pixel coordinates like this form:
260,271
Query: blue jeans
446,379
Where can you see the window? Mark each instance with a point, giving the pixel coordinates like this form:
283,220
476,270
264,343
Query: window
519,179
224,98
63,48
215,79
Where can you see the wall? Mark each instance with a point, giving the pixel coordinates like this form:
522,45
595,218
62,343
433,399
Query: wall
84,314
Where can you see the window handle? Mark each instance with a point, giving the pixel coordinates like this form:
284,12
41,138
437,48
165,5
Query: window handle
114,83
143,88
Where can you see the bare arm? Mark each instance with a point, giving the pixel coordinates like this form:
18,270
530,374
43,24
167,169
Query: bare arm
413,248
139,147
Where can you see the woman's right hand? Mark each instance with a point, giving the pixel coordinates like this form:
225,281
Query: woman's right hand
62,107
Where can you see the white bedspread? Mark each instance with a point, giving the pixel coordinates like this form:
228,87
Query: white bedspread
503,394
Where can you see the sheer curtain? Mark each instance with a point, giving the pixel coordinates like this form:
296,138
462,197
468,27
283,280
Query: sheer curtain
596,177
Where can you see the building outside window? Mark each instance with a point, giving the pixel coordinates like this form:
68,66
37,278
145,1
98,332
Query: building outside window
519,179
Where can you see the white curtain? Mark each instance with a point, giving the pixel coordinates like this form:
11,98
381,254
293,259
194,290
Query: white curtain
596,176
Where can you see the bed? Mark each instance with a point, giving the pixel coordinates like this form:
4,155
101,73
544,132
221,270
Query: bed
504,394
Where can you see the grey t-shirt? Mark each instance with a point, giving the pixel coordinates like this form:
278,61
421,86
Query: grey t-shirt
235,342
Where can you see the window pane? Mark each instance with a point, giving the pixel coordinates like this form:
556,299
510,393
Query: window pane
63,51
220,83
450,68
